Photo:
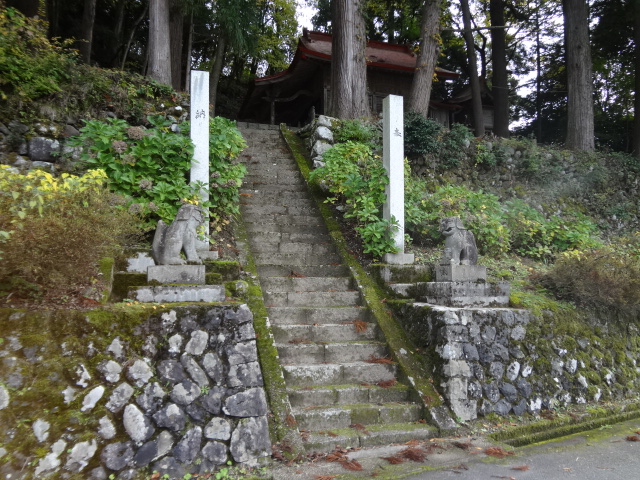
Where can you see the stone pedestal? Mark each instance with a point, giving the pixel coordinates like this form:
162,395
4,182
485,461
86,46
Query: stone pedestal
460,273
181,293
180,274
398,258
463,294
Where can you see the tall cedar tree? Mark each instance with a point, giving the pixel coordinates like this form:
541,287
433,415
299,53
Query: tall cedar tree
580,125
427,58
86,38
476,98
348,62
159,49
500,79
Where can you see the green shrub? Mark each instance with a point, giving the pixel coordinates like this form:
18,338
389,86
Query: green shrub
480,212
54,231
607,277
225,144
421,134
424,136
31,65
357,178
532,235
355,131
150,167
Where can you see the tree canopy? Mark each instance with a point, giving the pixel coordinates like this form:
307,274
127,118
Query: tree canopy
519,46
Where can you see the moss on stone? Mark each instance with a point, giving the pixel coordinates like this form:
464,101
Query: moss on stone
123,282
227,269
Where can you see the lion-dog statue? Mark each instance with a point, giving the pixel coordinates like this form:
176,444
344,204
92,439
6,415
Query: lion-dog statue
170,240
459,245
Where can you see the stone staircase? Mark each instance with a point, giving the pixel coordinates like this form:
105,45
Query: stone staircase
332,353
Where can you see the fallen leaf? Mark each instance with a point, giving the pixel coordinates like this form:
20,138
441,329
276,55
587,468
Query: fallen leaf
414,454
387,383
633,438
522,468
393,460
503,476
360,326
353,465
462,445
331,434
324,477
384,360
497,452
290,420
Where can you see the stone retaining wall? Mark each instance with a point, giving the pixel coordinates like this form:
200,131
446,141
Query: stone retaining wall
508,361
190,400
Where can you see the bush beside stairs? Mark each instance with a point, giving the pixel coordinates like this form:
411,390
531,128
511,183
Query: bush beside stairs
328,341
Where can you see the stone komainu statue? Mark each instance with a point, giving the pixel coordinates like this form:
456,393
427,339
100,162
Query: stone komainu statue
169,240
459,245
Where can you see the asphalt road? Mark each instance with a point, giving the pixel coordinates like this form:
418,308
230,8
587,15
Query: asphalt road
603,454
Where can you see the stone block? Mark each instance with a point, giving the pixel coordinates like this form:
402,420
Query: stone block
195,293
464,294
180,274
460,273
399,258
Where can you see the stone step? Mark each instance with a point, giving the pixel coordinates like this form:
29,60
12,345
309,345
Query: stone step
272,169
274,179
373,436
275,219
262,187
308,248
324,332
306,284
346,394
327,418
294,260
276,228
284,238
311,315
297,199
268,209
312,299
303,270
343,352
338,374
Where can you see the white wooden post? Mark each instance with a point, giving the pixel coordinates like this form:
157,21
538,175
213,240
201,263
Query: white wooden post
393,158
200,138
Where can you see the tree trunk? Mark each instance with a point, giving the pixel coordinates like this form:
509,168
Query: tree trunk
476,96
187,55
500,80
426,63
580,129
159,51
131,35
86,36
176,24
636,102
216,71
348,63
